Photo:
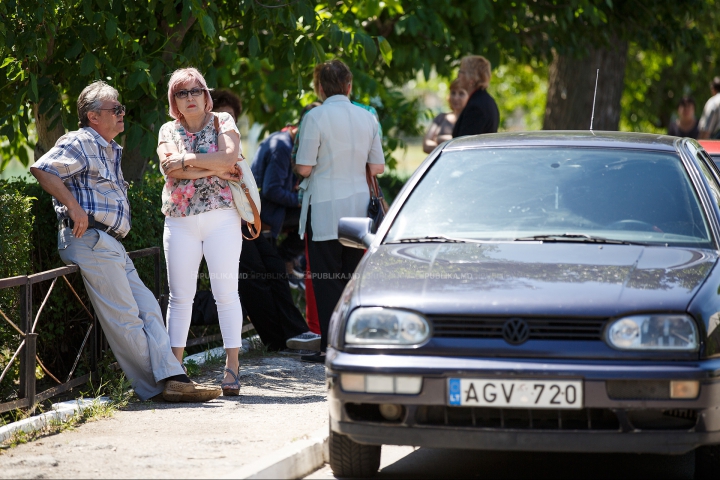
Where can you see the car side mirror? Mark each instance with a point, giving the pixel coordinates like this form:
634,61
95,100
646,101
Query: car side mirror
354,232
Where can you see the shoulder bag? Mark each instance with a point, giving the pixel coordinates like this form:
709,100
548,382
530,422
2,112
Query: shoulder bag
378,207
245,195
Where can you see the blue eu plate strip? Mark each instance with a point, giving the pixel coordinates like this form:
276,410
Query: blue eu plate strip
454,391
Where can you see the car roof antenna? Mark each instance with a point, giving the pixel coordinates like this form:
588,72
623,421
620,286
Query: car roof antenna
592,116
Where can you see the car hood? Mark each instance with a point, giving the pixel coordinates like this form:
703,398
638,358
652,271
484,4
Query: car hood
531,278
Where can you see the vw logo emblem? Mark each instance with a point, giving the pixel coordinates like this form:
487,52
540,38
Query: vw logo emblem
515,331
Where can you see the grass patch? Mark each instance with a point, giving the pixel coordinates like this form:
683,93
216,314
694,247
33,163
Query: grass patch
111,382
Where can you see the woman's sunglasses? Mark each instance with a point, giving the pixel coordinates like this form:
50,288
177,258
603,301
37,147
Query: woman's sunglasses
195,92
117,109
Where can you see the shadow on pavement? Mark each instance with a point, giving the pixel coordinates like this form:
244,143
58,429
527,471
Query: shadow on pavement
438,463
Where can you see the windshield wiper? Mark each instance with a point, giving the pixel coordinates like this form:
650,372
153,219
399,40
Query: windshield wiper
575,237
430,239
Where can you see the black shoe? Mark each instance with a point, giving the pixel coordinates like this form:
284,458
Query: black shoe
314,358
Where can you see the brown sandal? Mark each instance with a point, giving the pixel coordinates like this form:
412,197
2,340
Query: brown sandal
232,389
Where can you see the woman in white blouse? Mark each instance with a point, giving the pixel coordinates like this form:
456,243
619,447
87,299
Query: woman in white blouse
337,141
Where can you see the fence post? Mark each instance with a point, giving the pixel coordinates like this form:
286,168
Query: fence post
27,359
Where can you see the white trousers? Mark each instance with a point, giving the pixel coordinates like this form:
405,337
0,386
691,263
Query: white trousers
217,235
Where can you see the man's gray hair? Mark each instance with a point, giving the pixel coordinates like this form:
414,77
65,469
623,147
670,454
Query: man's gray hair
91,98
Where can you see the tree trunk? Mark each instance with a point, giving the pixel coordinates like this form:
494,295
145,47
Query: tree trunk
571,85
47,137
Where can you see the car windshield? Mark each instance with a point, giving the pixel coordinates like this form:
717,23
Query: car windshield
554,194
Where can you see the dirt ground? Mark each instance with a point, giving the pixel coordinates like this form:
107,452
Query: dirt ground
281,400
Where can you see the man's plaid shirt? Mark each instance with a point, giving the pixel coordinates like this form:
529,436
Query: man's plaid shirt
89,167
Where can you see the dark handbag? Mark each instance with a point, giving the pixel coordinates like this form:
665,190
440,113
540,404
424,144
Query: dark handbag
378,207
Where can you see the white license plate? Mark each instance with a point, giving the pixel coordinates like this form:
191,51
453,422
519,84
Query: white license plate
565,394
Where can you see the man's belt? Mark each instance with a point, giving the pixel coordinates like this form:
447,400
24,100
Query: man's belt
92,223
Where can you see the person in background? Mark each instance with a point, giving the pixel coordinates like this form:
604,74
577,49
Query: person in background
441,128
710,121
198,152
480,114
82,173
225,101
262,283
686,125
273,171
311,312
337,141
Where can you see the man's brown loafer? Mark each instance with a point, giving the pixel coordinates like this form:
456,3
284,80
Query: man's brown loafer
189,392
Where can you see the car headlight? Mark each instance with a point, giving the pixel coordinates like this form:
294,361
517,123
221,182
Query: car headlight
653,332
385,326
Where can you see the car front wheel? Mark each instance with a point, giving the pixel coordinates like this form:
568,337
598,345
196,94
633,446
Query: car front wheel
349,459
707,462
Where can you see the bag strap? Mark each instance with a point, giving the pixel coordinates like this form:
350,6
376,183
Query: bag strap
252,226
374,187
372,182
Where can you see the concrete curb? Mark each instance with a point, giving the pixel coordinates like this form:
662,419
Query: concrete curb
294,461
200,358
60,413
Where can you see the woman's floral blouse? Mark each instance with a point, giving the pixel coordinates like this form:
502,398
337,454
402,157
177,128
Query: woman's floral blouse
182,198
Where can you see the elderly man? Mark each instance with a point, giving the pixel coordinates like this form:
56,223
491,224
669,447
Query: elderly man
82,173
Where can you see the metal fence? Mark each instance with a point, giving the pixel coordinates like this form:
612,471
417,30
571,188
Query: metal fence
26,354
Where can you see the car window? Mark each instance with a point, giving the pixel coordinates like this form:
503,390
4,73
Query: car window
511,193
705,170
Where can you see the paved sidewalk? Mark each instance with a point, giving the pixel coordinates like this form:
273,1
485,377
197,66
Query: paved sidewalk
282,401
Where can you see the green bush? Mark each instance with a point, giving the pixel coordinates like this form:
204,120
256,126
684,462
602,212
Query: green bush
16,223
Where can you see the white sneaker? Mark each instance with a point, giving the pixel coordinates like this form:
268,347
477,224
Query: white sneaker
304,341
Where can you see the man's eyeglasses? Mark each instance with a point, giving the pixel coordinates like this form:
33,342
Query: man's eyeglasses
195,92
117,109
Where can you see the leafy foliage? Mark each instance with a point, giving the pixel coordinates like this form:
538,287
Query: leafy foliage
52,49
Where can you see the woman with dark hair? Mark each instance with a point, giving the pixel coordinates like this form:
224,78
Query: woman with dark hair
481,114
441,128
226,101
338,141
686,125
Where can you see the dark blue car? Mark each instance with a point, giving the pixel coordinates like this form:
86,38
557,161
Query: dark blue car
548,291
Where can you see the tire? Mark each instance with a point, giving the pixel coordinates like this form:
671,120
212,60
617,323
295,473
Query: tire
349,459
707,462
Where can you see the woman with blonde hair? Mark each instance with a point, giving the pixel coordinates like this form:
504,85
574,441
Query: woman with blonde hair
198,152
441,128
481,114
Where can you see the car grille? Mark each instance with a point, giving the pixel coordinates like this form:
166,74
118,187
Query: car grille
540,328
506,418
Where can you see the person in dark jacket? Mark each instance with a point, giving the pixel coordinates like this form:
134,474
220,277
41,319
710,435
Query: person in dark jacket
481,114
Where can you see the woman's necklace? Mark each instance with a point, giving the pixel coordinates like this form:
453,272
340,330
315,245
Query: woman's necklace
191,136
185,125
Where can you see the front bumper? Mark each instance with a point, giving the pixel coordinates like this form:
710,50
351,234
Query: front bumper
427,421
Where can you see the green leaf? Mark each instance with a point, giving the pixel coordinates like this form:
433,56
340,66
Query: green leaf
7,62
74,51
254,45
385,50
140,65
88,64
34,87
369,48
207,25
111,28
